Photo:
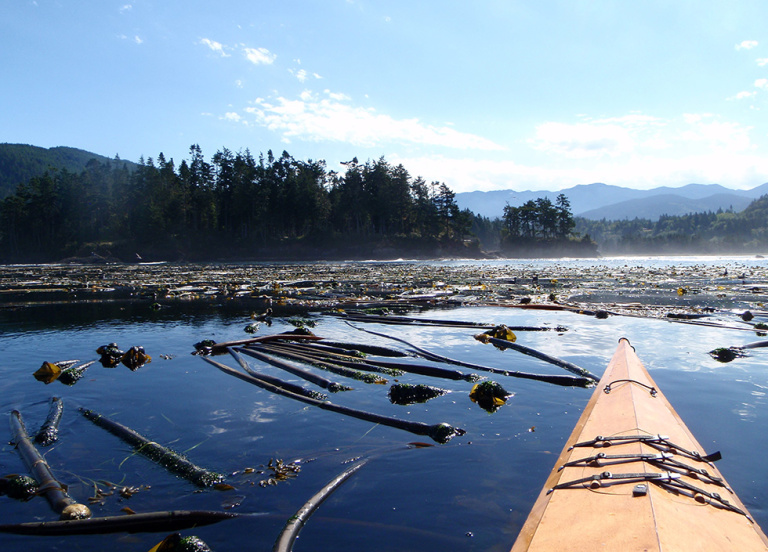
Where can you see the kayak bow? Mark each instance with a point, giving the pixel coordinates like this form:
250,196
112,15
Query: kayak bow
631,477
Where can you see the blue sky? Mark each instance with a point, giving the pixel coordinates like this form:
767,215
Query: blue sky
480,95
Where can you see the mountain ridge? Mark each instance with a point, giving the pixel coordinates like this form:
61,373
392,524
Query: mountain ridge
599,200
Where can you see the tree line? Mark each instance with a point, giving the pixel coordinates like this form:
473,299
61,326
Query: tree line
710,232
231,205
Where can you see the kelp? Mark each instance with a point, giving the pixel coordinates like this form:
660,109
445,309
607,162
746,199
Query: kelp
406,393
135,357
441,433
296,522
54,492
334,368
48,372
325,383
170,460
367,348
299,390
396,369
49,431
147,522
727,354
72,375
209,347
176,543
566,381
569,366
18,486
489,395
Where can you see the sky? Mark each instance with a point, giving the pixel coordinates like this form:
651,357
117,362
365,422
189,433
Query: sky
482,95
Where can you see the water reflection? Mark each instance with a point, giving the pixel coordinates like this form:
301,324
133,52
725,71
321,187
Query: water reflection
425,498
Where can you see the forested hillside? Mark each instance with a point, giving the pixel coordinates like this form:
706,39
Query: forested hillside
720,232
233,206
20,162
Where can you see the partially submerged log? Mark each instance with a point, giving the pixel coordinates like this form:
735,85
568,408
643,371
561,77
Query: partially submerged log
54,492
148,522
170,460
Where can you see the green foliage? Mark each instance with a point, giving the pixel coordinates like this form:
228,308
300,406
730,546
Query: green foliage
709,232
232,205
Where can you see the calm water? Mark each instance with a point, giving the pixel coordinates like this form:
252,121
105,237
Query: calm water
470,494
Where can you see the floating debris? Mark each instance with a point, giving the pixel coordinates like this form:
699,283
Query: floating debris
20,487
47,373
72,375
135,357
176,543
489,395
278,471
110,355
405,393
49,431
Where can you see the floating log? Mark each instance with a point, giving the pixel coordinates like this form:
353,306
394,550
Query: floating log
296,522
57,497
441,433
148,522
49,431
170,460
331,386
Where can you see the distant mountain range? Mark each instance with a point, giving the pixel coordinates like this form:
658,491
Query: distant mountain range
598,201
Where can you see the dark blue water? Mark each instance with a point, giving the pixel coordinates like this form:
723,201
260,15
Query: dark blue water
473,493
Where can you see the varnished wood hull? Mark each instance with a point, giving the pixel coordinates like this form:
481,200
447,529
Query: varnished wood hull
589,511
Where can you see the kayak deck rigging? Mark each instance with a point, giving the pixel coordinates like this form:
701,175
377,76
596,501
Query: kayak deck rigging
631,477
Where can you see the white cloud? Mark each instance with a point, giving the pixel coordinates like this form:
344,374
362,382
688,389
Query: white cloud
217,47
232,116
762,62
743,95
332,117
762,84
259,56
124,8
746,45
583,140
137,39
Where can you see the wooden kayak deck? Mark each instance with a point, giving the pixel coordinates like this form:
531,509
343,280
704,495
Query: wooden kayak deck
599,504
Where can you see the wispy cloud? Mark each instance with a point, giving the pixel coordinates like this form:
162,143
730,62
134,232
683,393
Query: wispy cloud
217,47
746,45
762,62
583,140
332,117
125,8
259,56
743,95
